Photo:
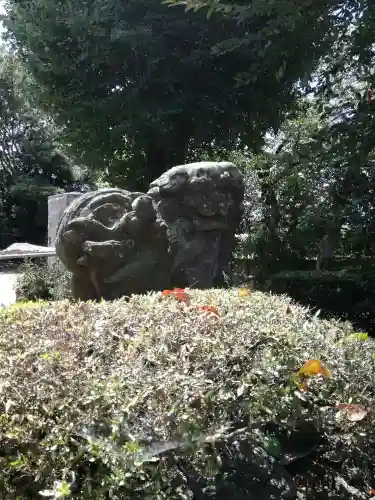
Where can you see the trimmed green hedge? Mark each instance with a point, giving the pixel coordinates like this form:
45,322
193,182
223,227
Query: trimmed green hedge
151,398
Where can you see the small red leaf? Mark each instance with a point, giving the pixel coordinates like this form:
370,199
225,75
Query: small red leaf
211,310
177,293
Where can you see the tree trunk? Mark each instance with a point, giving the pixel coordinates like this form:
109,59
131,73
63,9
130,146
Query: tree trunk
164,152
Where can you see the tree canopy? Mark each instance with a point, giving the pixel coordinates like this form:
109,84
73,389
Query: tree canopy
141,86
31,165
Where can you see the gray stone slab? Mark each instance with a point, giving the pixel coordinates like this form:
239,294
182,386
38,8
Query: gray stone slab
57,204
25,250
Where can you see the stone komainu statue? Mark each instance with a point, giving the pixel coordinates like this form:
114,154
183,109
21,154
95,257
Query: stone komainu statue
181,233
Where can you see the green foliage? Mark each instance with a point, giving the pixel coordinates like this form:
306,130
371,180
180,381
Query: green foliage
317,171
141,399
316,178
41,282
339,30
28,138
295,188
140,86
31,166
347,293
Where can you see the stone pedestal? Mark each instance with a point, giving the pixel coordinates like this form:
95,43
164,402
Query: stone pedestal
56,207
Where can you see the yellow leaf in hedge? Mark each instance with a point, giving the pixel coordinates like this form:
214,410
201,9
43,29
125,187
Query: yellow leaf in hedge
358,336
243,292
312,368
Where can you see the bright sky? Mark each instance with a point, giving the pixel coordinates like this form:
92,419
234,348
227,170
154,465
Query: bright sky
2,12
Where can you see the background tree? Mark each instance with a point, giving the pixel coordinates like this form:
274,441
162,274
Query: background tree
317,179
141,86
31,165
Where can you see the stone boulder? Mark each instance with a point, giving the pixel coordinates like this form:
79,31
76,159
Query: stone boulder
201,204
114,244
181,233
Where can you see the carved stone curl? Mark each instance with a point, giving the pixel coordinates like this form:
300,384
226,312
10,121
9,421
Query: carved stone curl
201,204
114,244
181,233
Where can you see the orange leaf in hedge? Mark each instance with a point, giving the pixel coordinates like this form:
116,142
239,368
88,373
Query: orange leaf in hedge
353,412
209,310
312,368
177,293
